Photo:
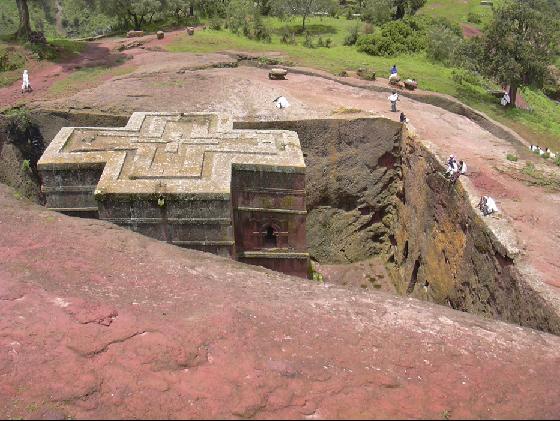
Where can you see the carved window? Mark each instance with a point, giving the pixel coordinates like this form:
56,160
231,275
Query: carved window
270,237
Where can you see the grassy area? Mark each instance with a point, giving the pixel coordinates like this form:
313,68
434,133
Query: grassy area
541,125
457,10
87,78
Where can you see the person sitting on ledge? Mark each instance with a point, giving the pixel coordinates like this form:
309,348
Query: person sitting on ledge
487,205
461,170
451,166
394,74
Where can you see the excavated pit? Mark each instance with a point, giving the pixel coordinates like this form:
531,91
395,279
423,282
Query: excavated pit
371,192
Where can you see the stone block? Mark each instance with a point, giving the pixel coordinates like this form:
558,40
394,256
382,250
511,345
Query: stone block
134,34
188,179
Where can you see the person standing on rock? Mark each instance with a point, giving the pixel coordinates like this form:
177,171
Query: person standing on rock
394,97
25,86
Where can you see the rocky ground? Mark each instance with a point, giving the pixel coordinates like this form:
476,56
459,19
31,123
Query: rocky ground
199,82
99,322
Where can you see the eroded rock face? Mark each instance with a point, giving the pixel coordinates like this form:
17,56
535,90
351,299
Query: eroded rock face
99,322
445,252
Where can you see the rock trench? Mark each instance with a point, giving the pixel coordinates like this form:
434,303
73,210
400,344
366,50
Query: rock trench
370,191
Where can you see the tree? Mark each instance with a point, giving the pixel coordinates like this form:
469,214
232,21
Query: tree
303,8
403,7
133,12
519,43
179,8
378,11
24,28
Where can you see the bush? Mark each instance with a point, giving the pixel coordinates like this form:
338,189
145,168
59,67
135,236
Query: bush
378,11
368,28
215,24
308,41
511,157
462,76
557,160
468,55
366,73
352,36
396,37
259,31
441,44
243,16
474,17
288,37
10,60
328,43
25,165
18,120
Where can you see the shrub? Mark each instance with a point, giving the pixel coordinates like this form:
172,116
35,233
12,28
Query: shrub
18,120
352,36
462,76
557,160
10,60
320,42
215,24
288,37
328,43
25,165
366,73
368,28
378,11
396,37
259,31
441,44
308,41
468,54
511,157
474,17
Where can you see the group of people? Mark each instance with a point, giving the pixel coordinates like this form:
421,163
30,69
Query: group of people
540,151
455,169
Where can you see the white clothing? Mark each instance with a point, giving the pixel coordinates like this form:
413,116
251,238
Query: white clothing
464,168
533,148
452,168
505,99
393,76
491,205
281,102
25,84
552,155
394,97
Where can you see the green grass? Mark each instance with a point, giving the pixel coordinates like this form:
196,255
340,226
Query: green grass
86,78
457,10
541,125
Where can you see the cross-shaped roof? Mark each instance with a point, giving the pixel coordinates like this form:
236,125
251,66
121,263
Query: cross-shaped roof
173,153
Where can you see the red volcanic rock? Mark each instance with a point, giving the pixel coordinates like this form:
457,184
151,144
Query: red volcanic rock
99,322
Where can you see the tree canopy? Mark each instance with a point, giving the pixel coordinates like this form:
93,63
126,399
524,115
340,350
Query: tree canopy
519,43
303,8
